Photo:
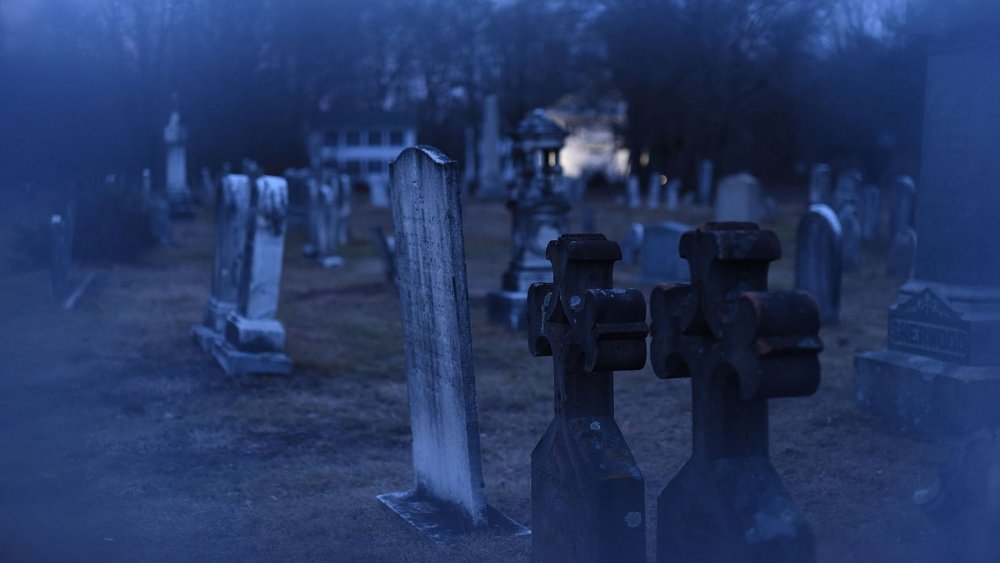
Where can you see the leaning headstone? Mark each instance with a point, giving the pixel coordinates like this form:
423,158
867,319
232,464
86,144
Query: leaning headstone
632,194
818,259
660,261
387,247
254,339
178,192
901,253
231,208
705,181
491,184
902,206
820,184
870,212
655,195
740,345
738,199
448,498
587,494
850,237
673,194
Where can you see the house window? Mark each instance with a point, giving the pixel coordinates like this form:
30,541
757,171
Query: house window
331,138
374,166
352,138
396,137
374,138
353,166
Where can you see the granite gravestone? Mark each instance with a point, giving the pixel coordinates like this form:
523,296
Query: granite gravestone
940,375
741,345
818,259
820,184
738,199
448,499
539,214
254,339
850,237
231,212
660,261
705,181
870,212
587,494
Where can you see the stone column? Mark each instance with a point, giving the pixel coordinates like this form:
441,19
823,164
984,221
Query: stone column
940,374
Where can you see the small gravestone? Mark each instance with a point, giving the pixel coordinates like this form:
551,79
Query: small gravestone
820,184
587,494
673,194
902,206
387,247
848,188
901,253
740,345
632,194
660,261
448,499
818,259
254,339
631,246
870,212
850,237
738,199
705,180
654,197
231,209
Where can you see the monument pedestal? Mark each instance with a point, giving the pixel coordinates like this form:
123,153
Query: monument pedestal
210,331
444,525
252,346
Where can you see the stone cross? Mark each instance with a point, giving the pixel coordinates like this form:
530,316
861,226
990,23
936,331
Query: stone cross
448,498
740,345
231,209
254,339
818,259
587,494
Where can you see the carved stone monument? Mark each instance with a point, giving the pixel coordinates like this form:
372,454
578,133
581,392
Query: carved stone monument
741,345
539,214
178,191
940,374
587,494
254,339
448,499
818,259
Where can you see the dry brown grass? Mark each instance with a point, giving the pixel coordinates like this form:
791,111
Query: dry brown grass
129,443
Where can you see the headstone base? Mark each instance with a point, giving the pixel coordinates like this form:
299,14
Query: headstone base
205,337
237,362
933,398
508,308
216,313
255,335
443,524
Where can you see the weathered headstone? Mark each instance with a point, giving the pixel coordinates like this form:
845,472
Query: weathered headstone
818,259
820,184
587,494
231,209
741,345
673,194
178,191
329,229
902,206
491,185
850,237
901,254
448,498
705,180
632,195
738,199
387,247
940,375
654,197
254,339
870,212
660,260
539,214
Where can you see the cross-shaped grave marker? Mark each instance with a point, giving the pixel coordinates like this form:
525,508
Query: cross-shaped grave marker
587,494
740,345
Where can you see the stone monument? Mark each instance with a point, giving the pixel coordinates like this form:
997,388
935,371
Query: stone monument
448,499
740,345
587,494
539,214
178,191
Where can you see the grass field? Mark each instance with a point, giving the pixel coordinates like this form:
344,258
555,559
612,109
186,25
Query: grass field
121,440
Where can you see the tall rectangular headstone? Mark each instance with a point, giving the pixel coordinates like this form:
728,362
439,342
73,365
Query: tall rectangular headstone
231,208
254,339
448,499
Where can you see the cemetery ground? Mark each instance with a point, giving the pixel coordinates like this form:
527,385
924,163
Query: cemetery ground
122,440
